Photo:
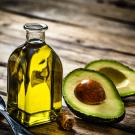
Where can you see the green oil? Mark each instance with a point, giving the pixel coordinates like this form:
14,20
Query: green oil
34,83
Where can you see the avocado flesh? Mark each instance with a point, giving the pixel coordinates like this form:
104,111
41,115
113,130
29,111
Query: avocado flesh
110,110
122,76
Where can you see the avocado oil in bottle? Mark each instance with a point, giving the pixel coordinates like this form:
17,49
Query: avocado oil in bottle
34,80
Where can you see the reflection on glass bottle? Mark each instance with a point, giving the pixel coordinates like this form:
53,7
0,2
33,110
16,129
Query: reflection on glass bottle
34,80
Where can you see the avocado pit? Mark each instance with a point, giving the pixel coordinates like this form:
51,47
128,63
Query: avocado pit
90,92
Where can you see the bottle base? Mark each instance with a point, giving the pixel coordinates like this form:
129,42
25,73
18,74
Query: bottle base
34,119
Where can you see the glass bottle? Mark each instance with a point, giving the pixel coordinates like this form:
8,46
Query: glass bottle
34,79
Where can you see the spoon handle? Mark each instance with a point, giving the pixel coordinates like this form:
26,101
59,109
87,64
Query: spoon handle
16,128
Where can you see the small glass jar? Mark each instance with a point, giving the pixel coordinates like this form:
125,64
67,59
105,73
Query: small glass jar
34,79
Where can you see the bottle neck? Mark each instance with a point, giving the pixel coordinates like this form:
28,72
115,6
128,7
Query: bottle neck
35,36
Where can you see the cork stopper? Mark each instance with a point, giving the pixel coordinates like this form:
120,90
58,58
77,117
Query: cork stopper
65,120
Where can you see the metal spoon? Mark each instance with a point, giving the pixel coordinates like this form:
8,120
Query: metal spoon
15,127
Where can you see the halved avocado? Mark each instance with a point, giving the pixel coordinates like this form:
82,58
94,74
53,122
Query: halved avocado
92,96
122,76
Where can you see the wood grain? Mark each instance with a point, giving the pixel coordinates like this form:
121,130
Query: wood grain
79,31
51,8
80,127
94,45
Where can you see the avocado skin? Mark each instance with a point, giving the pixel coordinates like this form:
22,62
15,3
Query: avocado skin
95,119
109,60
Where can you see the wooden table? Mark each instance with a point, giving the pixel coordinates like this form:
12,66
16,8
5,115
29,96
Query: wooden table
79,31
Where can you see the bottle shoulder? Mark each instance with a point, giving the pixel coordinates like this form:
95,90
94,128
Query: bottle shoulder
15,53
25,48
56,58
53,51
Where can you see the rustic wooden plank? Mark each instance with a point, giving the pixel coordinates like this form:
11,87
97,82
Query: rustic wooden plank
95,46
102,39
79,128
130,4
47,9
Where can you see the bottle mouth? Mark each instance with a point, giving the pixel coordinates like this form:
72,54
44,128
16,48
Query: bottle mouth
35,27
